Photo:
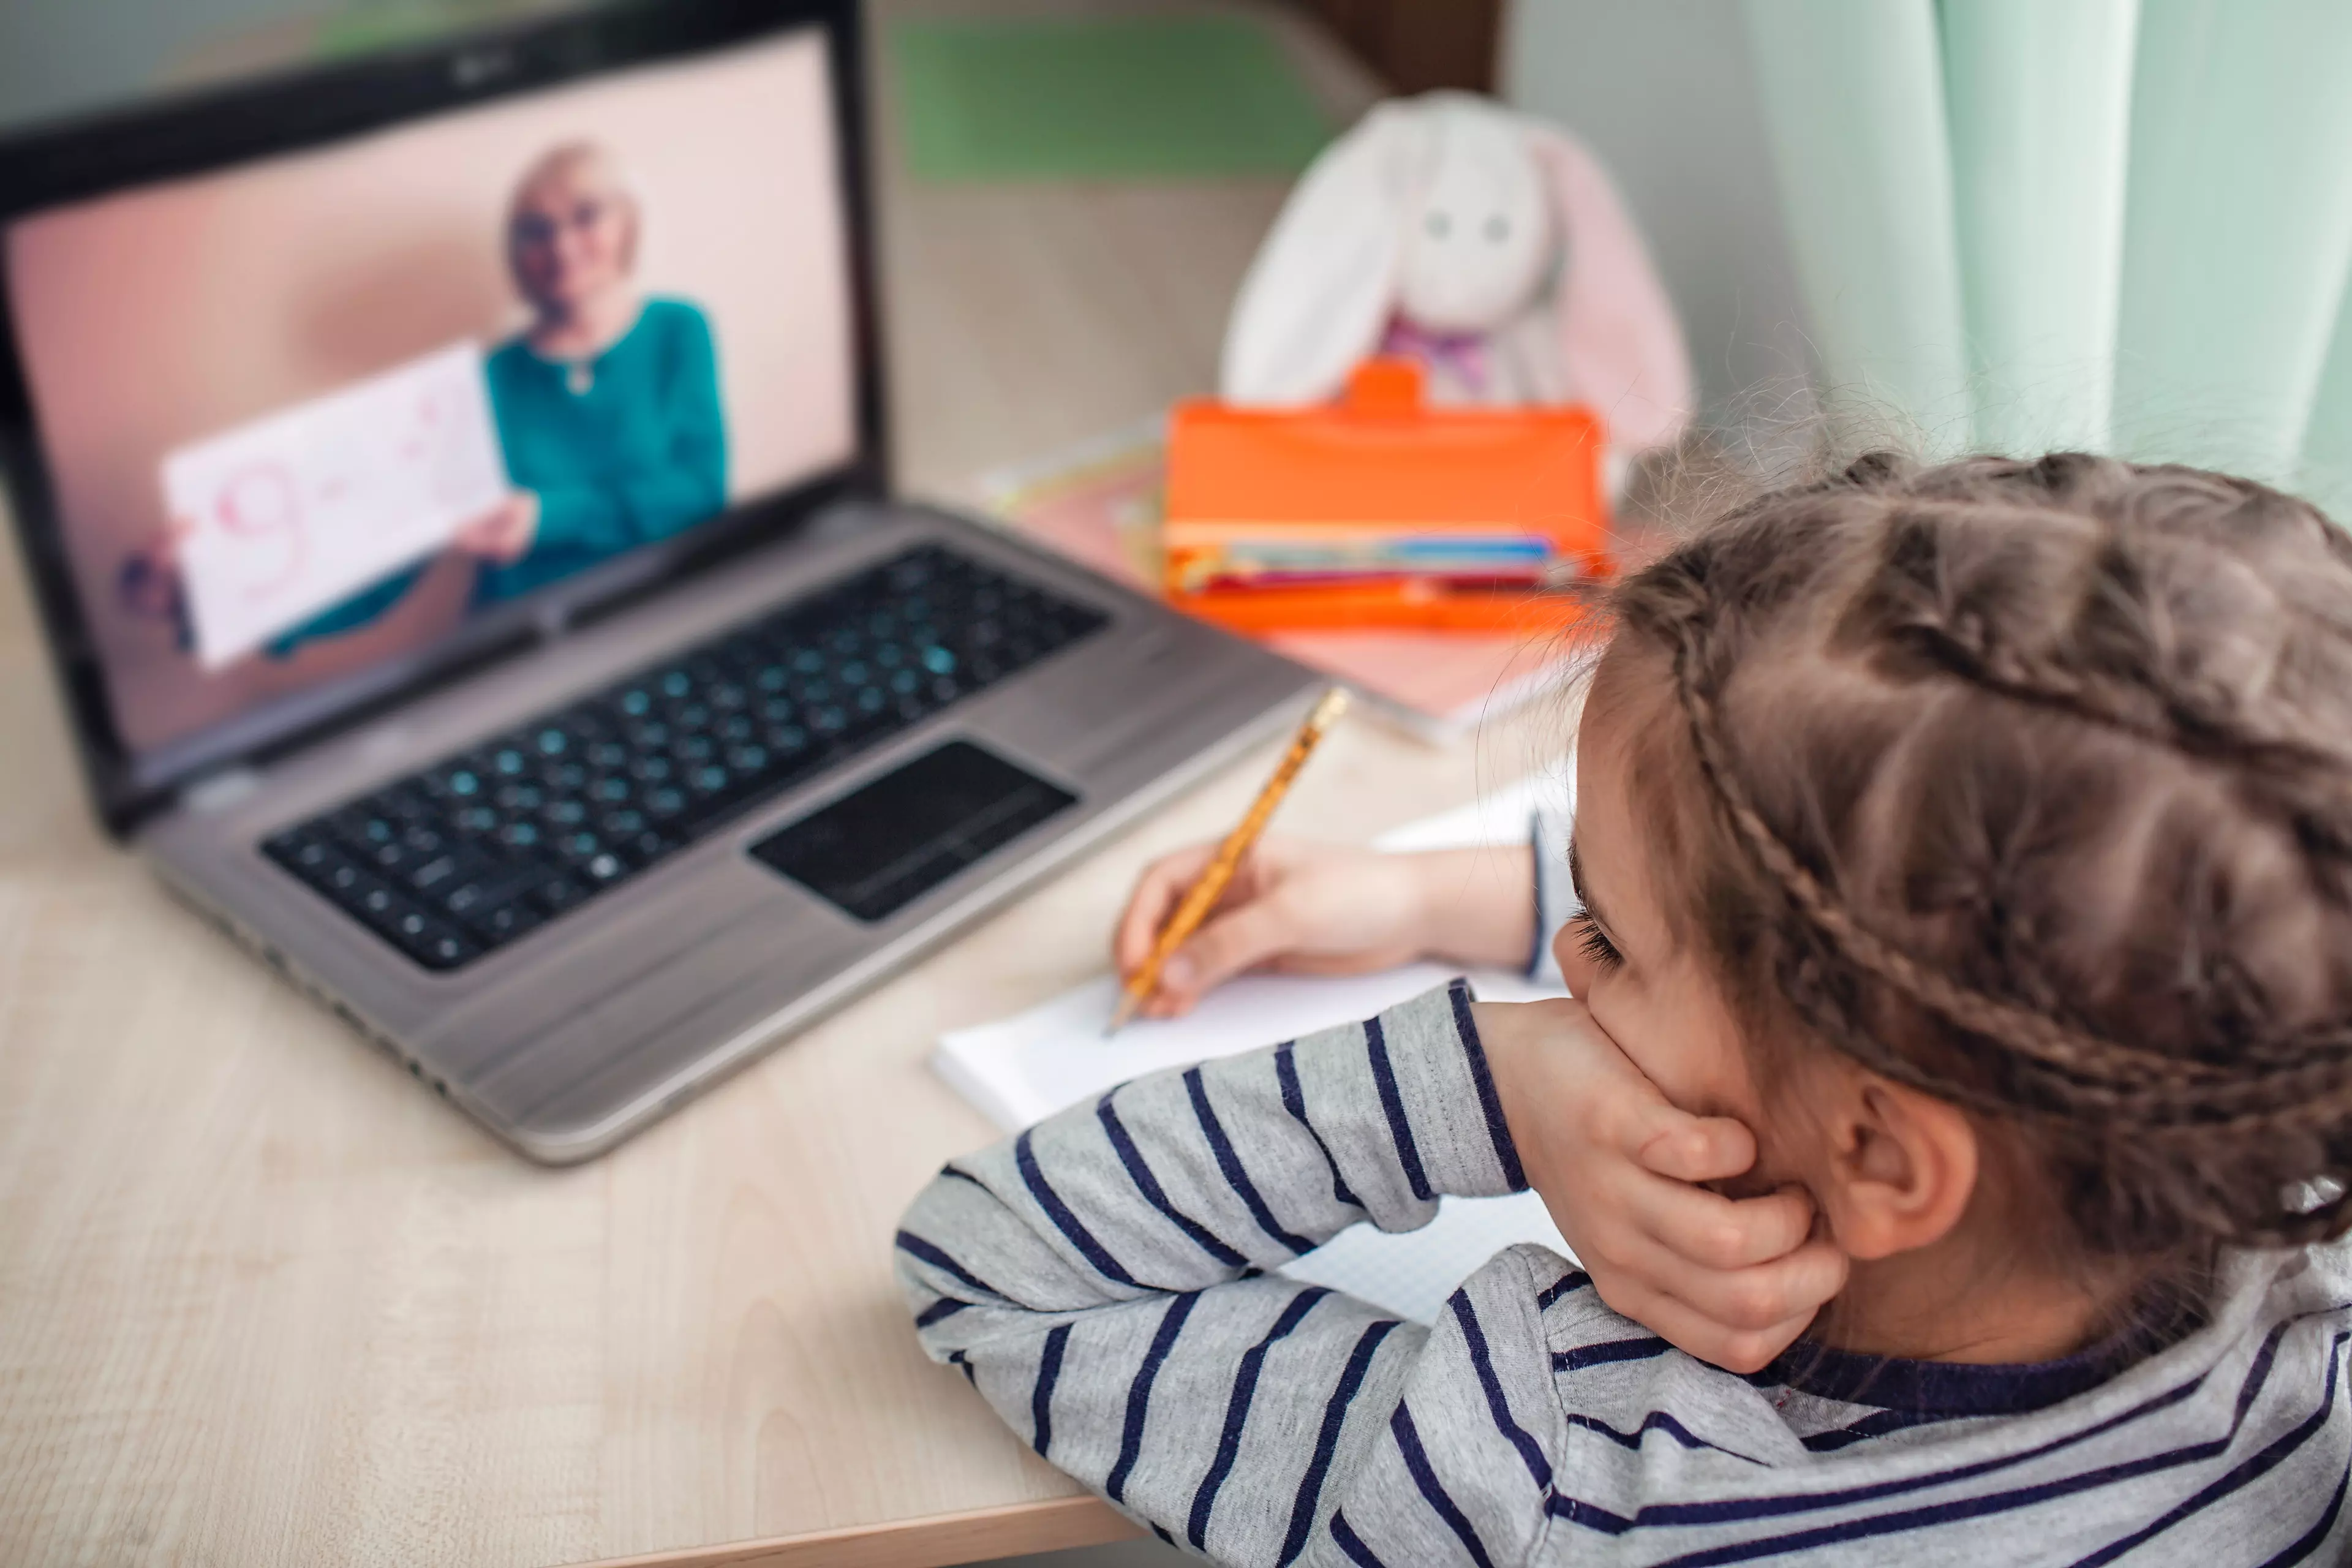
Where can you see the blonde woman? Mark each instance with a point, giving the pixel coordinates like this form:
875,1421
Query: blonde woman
608,416
607,404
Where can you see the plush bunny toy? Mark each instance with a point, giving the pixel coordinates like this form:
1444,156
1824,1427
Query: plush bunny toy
1487,245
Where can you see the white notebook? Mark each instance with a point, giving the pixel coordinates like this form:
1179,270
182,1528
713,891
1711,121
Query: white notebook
1023,1068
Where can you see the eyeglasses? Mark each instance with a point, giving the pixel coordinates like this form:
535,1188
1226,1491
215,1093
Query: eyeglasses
543,228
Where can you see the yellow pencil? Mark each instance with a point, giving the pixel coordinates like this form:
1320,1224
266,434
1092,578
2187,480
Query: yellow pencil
1203,894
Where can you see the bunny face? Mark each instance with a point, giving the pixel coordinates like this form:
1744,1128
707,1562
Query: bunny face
1477,243
1452,215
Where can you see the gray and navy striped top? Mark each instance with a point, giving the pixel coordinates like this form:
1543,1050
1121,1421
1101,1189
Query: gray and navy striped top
1103,1281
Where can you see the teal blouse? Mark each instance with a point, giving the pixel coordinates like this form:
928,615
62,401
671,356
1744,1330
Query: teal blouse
639,455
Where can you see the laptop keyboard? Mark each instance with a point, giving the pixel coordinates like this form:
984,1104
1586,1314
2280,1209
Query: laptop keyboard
463,857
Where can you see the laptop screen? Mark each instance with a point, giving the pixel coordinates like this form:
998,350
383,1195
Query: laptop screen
314,416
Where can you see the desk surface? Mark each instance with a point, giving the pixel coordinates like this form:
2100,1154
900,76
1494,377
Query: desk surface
261,1300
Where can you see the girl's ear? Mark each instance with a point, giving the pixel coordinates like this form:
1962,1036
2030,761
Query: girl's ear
1319,293
1619,339
1901,1166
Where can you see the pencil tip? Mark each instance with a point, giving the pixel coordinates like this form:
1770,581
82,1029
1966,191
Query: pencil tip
1119,1016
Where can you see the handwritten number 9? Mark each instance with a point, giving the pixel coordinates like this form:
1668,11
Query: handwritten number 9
259,507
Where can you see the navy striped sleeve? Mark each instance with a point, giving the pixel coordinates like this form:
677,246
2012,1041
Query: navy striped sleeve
1041,1397
1139,1171
1438,1101
1305,1506
1344,1535
916,1246
1229,1161
1639,1348
1408,1148
1138,1393
1490,1100
1237,1411
1482,1361
1073,1229
1294,1101
1433,1490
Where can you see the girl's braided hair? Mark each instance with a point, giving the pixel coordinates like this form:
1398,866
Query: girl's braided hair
2030,784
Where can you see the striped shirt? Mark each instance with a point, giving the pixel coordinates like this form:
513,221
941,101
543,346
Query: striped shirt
1104,1282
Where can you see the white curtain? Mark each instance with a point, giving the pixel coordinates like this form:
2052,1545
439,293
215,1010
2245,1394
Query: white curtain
2124,225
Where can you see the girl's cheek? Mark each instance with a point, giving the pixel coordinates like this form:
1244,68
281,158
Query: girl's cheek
1646,1046
1574,967
1673,1050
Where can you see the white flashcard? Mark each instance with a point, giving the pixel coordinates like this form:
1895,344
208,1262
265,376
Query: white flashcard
281,519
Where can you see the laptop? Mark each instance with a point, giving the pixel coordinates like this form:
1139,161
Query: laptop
454,488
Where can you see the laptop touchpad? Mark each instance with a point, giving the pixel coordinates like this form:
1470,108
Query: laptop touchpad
875,850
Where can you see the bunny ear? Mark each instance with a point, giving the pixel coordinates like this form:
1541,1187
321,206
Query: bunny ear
1619,339
1318,297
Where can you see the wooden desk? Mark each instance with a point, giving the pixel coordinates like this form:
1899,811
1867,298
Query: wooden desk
262,1300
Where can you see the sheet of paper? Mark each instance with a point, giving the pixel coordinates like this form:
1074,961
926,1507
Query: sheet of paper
1021,1069
287,516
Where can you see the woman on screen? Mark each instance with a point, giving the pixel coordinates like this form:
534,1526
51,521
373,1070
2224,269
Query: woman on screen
606,404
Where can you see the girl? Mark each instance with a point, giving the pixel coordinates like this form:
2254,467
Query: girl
1979,837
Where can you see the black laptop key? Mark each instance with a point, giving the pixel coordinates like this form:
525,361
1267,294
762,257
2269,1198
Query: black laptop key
482,847
555,894
498,923
308,854
441,871
495,887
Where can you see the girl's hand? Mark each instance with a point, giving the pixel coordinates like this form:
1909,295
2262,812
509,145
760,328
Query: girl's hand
503,534
1729,1280
148,581
1293,905
1301,907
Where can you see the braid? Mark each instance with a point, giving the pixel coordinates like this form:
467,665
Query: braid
2289,764
2229,1113
2156,1086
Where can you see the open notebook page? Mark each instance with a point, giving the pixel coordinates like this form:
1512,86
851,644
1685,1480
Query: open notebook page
1023,1068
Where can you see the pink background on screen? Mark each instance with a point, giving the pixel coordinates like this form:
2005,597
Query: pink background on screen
150,318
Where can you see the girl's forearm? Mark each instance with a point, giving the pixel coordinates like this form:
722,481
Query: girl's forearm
1478,906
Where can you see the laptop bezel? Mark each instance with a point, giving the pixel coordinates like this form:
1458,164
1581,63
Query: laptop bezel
205,131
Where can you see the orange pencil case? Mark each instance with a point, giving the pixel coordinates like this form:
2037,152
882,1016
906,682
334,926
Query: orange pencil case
1380,513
